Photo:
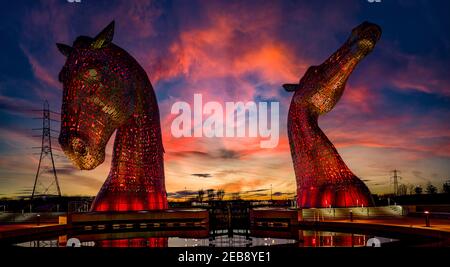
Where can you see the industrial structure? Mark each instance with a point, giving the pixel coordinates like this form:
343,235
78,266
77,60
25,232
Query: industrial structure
46,180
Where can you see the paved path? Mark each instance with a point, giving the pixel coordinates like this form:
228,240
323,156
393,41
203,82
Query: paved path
435,224
11,227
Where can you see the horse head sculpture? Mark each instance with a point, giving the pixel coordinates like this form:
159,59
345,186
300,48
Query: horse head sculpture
323,179
106,89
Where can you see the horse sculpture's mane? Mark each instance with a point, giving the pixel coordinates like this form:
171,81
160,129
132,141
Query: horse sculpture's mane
106,89
323,179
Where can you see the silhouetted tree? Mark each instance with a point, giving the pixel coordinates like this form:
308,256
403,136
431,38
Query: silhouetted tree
402,189
446,187
210,193
220,194
236,196
411,189
431,189
418,190
201,193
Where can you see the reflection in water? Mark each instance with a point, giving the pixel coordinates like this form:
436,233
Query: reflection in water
301,238
227,241
152,242
331,239
40,244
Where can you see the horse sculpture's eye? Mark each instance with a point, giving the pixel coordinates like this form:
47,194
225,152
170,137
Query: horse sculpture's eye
91,75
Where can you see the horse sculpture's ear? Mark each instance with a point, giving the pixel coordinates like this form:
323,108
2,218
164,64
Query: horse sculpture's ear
105,37
290,87
64,49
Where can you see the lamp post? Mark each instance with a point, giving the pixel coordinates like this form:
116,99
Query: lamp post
427,218
38,219
351,215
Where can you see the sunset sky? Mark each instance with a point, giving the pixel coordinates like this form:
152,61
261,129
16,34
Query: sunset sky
394,113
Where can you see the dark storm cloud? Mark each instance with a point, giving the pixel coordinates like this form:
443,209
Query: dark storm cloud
277,194
257,190
189,154
213,154
228,154
182,194
202,175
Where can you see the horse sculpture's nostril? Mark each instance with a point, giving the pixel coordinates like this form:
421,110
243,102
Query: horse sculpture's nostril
370,31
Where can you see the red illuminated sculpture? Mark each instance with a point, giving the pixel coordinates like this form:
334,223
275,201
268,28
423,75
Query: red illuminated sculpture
106,89
323,179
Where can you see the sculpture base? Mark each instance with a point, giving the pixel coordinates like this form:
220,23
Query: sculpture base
275,217
340,196
126,201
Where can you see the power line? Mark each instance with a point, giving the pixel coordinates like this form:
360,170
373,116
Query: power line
46,187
